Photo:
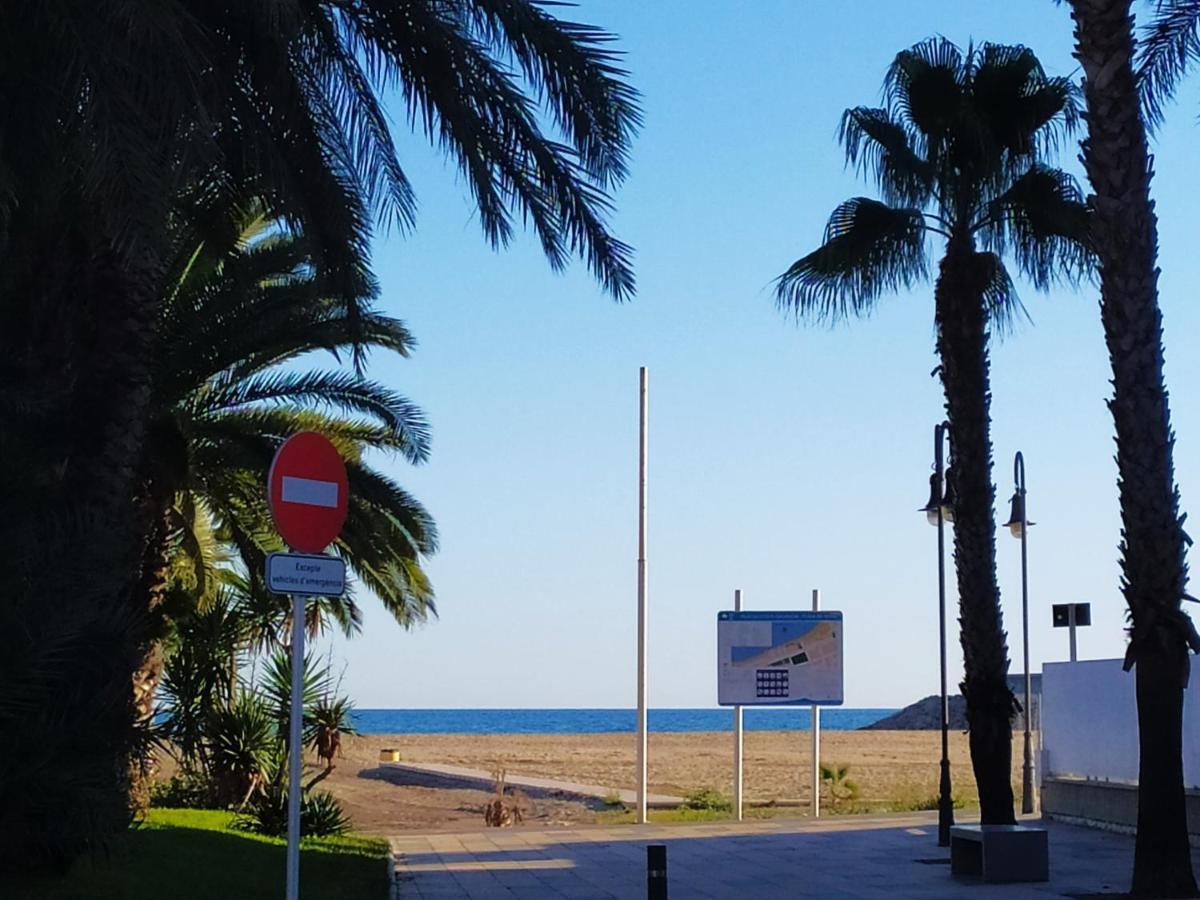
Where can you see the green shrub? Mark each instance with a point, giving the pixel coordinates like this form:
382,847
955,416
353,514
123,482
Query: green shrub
842,790
709,799
266,812
321,815
613,800
182,792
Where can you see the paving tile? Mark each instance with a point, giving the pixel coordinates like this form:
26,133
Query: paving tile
858,859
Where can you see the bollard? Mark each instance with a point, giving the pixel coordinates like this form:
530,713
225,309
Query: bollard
656,871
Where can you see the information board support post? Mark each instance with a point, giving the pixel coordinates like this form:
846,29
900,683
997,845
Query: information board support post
816,735
737,737
1071,624
641,599
293,831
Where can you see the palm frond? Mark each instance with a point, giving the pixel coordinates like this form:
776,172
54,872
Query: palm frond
1042,219
257,301
248,438
473,107
869,247
879,146
1024,111
574,68
1000,298
1170,45
337,71
924,84
399,518
197,557
330,390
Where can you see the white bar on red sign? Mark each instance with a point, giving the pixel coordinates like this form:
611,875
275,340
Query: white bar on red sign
310,491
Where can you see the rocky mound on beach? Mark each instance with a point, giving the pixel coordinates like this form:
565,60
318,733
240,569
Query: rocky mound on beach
924,715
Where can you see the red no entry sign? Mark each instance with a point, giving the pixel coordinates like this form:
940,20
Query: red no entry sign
307,491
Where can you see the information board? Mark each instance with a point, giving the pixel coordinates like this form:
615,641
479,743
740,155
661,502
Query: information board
779,658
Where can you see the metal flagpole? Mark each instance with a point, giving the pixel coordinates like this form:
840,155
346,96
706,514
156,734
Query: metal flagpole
816,735
641,594
737,737
293,845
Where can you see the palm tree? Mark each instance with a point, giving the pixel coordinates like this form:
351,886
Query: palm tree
1153,543
227,393
186,102
958,153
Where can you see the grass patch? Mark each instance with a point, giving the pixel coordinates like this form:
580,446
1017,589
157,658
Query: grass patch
196,854
682,814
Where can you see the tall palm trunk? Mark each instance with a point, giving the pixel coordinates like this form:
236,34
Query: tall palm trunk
151,590
962,344
92,732
1124,231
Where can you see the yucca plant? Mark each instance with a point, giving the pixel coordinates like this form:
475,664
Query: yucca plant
242,743
332,719
200,676
267,812
275,687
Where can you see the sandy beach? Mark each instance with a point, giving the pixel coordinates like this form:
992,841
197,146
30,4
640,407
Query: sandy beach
894,770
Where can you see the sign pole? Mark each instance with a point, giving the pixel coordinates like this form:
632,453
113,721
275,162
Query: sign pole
307,491
294,738
641,598
737,737
816,735
1071,623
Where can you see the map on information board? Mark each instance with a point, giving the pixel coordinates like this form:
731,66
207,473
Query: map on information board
779,658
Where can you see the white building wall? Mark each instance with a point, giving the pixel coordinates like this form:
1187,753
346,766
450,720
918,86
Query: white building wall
1089,722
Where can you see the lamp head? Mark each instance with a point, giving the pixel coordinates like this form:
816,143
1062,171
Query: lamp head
950,497
1016,519
931,505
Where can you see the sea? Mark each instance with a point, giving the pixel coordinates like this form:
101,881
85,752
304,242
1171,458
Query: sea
599,721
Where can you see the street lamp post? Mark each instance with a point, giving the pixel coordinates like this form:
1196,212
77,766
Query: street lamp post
939,510
1018,523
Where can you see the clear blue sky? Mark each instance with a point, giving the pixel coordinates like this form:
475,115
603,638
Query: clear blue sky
783,458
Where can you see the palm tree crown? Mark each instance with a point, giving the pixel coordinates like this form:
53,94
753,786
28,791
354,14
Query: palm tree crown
288,96
957,151
228,391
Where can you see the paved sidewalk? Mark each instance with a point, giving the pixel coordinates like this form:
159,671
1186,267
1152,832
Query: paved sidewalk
540,786
847,858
